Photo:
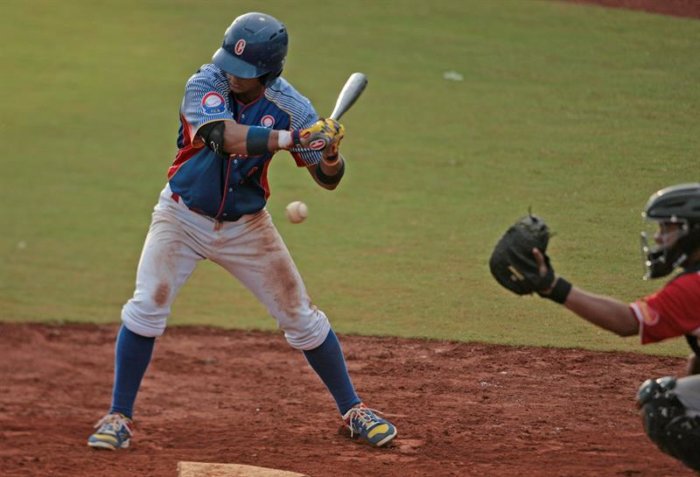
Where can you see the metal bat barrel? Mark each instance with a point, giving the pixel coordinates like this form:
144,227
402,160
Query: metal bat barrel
352,90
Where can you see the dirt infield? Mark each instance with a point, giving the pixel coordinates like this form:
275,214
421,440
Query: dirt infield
246,397
678,8
210,395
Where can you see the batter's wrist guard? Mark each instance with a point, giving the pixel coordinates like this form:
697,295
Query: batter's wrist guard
559,292
330,180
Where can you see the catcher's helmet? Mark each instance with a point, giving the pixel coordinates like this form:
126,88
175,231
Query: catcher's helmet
679,205
254,46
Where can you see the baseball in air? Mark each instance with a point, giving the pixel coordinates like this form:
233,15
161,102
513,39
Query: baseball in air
297,212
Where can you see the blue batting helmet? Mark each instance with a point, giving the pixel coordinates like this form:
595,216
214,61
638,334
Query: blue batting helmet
255,46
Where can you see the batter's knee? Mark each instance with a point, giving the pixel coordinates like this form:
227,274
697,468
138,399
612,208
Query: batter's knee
307,331
145,317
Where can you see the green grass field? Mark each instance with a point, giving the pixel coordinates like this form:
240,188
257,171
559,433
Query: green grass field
579,112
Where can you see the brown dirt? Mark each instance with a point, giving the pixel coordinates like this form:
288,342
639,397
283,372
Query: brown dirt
462,409
677,8
214,395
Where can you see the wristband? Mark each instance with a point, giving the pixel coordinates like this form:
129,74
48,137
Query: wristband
330,180
288,139
284,139
256,140
560,291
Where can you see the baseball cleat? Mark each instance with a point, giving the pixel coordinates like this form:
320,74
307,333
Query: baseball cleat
113,432
364,424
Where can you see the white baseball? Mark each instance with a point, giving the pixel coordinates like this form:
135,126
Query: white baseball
296,212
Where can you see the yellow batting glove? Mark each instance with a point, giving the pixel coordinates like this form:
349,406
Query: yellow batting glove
321,134
331,151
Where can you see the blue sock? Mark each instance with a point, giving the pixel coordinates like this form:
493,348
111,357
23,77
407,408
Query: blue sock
132,355
328,362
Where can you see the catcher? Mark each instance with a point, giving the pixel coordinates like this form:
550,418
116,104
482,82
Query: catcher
669,406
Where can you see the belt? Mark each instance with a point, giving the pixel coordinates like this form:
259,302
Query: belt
176,197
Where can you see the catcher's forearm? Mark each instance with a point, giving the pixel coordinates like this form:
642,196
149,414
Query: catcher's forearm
603,311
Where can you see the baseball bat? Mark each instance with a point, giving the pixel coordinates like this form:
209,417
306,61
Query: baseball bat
352,90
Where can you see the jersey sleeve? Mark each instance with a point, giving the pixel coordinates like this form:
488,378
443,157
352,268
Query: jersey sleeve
305,157
205,101
672,311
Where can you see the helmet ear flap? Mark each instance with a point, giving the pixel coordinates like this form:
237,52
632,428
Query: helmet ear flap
269,78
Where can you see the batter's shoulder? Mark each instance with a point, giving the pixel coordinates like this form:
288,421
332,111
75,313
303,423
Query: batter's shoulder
287,98
210,76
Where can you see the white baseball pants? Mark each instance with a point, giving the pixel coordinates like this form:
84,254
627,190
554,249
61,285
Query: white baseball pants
250,249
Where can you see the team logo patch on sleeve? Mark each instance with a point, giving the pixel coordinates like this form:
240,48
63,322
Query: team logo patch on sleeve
213,103
267,121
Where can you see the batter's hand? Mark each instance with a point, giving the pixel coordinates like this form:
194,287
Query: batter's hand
330,153
322,134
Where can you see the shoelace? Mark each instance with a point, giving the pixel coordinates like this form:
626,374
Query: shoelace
114,422
364,415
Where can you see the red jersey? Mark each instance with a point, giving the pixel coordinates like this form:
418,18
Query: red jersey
672,311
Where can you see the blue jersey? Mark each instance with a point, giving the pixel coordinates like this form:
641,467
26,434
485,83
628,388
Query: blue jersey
227,188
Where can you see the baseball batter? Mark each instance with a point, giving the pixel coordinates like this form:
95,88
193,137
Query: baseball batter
235,114
669,406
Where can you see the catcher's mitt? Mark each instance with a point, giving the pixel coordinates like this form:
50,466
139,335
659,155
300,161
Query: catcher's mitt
512,263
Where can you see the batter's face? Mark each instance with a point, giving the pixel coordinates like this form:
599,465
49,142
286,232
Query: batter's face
246,88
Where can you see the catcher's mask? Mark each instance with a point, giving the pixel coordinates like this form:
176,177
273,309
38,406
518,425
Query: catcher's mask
254,46
675,214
